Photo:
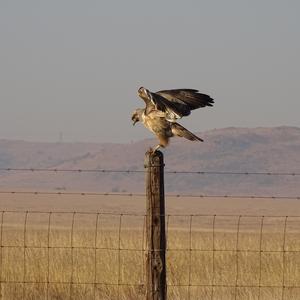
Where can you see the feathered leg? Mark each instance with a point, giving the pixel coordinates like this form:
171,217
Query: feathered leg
163,142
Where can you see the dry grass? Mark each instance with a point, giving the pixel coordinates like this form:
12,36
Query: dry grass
109,263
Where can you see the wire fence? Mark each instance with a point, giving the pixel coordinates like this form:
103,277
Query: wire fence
102,255
80,255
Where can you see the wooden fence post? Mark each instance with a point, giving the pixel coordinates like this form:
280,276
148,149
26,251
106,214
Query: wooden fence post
155,227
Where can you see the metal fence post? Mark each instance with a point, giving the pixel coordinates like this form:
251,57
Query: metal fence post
155,227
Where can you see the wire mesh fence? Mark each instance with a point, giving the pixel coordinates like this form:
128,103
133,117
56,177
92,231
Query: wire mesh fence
97,255
52,254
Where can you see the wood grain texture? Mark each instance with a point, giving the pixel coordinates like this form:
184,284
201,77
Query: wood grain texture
155,227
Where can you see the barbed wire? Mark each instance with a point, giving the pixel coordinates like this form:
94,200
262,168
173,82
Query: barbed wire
266,173
234,173
70,170
144,195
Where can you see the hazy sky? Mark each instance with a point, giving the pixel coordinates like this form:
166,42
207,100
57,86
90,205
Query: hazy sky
75,66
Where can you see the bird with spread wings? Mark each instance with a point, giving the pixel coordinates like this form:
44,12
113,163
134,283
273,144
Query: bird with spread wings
164,108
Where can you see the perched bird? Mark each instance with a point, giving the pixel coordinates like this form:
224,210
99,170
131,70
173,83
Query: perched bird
164,108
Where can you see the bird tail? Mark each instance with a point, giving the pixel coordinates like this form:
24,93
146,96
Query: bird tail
179,130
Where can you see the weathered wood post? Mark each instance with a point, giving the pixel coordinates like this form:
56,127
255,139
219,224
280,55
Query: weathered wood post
155,227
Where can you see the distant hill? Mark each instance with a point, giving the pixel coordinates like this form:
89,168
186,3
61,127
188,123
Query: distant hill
229,149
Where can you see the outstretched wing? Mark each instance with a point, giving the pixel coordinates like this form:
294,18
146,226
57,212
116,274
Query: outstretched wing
179,103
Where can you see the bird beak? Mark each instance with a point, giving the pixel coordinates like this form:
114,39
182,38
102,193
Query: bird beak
134,122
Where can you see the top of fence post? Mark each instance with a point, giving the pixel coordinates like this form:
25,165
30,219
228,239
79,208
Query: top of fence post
154,159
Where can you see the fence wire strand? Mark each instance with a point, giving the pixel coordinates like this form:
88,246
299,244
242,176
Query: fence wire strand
260,255
15,192
119,254
237,256
95,258
72,257
213,257
190,256
51,170
48,254
284,258
1,252
24,252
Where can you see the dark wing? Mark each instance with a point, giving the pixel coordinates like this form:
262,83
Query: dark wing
179,103
192,98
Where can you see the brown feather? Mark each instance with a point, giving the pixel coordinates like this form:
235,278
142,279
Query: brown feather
180,131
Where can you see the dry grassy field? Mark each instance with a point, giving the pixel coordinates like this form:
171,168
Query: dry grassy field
102,256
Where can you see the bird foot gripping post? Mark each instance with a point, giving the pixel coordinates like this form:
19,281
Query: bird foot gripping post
155,227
